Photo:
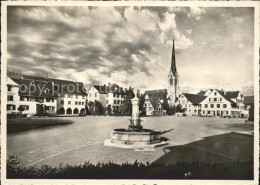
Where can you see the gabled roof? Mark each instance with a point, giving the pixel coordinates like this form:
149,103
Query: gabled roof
201,92
159,94
101,88
227,97
111,88
60,86
156,96
35,88
232,94
195,99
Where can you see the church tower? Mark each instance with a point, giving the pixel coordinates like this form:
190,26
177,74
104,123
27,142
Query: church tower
173,80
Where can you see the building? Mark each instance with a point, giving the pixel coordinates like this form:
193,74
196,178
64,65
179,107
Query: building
111,94
190,103
153,104
35,97
173,80
154,98
222,103
40,95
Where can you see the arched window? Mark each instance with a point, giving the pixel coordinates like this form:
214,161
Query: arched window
76,111
69,111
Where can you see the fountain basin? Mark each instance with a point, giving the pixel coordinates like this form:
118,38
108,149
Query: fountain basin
142,138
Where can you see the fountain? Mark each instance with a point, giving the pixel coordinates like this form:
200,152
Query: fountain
135,136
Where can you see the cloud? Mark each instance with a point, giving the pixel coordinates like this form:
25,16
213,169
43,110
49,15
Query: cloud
196,12
130,45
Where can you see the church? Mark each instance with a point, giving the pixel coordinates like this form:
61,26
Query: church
212,102
154,99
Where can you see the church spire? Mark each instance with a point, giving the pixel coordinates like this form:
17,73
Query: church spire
173,62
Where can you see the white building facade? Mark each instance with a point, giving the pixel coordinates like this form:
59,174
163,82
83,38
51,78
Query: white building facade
220,103
43,96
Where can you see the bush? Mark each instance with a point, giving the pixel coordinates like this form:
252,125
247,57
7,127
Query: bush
136,170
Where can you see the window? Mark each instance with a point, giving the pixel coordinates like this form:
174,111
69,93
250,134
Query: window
215,99
9,88
211,105
218,105
220,99
95,94
118,101
215,93
76,103
79,103
189,105
26,107
22,98
83,97
203,112
145,104
69,102
206,105
62,102
224,105
10,98
208,112
114,101
195,110
49,100
82,103
10,107
114,95
171,81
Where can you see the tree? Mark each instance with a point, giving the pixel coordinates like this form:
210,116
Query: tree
109,110
179,108
171,110
99,108
141,102
165,105
21,109
251,113
91,107
124,109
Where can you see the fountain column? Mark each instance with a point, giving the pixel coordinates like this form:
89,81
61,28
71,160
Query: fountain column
135,122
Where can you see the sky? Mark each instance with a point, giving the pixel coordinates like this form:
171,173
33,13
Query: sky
132,46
